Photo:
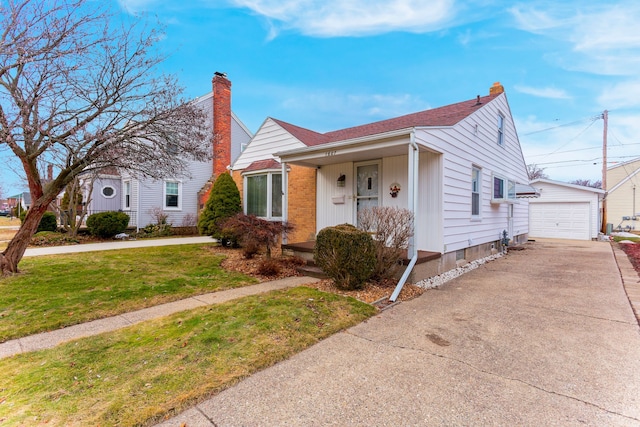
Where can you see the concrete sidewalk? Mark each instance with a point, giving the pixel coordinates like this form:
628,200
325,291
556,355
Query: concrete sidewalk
543,336
120,244
51,339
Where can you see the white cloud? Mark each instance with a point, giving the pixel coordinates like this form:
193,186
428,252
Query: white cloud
331,18
604,35
621,95
546,92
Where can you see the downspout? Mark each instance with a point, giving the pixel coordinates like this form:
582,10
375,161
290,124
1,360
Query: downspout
412,182
285,200
137,204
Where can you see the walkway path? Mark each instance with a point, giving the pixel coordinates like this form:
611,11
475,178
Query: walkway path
51,339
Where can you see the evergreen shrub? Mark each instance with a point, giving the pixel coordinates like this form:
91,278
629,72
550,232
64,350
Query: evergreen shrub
107,224
223,203
345,254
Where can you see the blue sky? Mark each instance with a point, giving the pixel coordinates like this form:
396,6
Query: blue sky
329,64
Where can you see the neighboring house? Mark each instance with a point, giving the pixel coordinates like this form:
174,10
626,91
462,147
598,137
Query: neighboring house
177,197
22,201
565,211
623,183
456,167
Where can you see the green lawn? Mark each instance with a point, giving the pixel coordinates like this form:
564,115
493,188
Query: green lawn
62,290
141,374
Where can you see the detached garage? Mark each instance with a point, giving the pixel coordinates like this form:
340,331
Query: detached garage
564,211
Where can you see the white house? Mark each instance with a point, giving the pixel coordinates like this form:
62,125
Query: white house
177,197
565,211
455,167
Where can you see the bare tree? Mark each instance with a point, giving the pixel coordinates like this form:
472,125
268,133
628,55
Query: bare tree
587,183
83,94
536,172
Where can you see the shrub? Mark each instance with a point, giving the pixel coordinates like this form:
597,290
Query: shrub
48,222
391,229
107,224
161,227
254,233
223,203
345,254
269,267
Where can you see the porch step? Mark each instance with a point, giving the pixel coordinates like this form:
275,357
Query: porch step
312,271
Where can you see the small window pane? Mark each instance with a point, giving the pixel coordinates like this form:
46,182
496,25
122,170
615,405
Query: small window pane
276,195
498,188
171,194
257,195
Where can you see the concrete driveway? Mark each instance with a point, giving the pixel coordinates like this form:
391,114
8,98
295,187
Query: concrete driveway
543,336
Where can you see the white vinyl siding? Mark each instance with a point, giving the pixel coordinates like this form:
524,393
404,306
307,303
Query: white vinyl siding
271,138
467,144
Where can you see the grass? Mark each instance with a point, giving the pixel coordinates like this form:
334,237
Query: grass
63,290
620,238
144,373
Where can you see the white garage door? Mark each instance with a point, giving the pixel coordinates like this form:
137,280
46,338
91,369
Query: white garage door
559,220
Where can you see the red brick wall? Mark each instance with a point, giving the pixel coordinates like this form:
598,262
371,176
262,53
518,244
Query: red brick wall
302,202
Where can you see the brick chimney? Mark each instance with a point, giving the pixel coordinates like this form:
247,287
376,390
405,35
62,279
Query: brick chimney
221,133
221,123
496,89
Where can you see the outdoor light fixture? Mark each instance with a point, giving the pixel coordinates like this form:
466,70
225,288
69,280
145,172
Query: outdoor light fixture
341,180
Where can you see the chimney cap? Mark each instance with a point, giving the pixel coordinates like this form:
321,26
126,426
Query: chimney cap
221,74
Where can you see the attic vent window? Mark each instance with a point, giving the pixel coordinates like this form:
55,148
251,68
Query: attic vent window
108,191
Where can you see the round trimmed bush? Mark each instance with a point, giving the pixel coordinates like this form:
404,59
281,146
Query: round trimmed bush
48,222
345,254
107,224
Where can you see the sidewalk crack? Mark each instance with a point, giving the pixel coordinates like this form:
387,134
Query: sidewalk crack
483,371
206,416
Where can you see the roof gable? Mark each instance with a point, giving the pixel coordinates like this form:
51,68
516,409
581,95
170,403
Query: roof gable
448,115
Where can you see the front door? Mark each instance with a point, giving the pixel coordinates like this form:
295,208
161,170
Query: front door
366,187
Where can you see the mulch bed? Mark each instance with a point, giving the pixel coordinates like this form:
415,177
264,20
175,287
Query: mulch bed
633,253
372,292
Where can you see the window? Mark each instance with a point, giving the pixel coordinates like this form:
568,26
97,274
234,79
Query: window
127,194
475,191
172,195
108,192
500,129
503,190
264,195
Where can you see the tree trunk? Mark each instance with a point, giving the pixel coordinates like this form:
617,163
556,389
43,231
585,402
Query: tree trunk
12,255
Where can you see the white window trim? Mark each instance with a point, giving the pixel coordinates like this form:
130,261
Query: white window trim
125,194
164,195
501,119
508,197
478,216
245,186
115,193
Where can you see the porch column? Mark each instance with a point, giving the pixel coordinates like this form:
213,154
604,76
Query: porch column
285,199
413,186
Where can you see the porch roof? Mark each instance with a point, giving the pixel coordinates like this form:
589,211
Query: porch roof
354,150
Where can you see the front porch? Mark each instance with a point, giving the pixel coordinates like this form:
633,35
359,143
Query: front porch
428,262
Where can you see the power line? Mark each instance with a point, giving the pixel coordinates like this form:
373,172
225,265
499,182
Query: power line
591,119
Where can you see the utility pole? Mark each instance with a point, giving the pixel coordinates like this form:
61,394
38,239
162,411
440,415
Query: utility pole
605,118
